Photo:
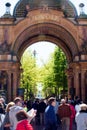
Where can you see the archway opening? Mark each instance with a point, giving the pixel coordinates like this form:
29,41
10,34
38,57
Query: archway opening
44,65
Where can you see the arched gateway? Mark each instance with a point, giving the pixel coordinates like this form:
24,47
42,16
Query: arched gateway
55,21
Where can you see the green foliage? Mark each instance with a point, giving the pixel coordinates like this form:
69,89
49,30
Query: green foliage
54,78
28,80
60,64
51,75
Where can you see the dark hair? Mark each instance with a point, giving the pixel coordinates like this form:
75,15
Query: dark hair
21,115
1,105
50,100
2,108
17,99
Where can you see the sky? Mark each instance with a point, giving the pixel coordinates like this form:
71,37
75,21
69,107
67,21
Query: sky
43,49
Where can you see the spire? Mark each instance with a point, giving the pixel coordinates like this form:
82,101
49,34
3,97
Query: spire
7,13
7,8
82,12
81,6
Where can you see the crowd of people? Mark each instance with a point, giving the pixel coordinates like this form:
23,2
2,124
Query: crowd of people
51,113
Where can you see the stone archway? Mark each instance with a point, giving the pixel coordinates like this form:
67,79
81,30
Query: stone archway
42,33
47,32
49,25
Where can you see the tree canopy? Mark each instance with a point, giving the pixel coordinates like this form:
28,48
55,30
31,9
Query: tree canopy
51,75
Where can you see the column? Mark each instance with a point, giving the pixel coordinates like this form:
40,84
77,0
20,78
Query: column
69,73
9,87
76,84
85,82
83,85
15,78
15,84
69,86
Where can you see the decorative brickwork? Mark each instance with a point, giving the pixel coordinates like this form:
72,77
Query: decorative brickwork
44,24
66,6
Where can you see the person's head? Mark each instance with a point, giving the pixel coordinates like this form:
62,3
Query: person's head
83,106
71,102
1,105
18,101
21,115
52,101
2,100
41,100
63,101
10,104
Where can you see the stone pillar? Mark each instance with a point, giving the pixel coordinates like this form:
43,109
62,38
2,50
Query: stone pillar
9,87
76,84
13,81
85,82
69,86
69,82
15,84
12,84
69,73
83,85
76,69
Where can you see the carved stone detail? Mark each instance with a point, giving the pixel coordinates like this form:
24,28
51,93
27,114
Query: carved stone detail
84,41
84,47
45,8
5,48
70,73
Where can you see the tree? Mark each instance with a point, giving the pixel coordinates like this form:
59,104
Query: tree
46,77
60,64
28,80
53,73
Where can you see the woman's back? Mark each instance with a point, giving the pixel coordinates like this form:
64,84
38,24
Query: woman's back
24,125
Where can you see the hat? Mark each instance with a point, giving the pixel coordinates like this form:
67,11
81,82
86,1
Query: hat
83,106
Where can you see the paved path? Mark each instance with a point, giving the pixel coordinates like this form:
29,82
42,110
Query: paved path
39,127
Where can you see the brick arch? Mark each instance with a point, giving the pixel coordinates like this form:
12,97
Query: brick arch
46,32
48,38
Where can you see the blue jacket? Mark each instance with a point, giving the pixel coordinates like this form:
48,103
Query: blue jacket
50,118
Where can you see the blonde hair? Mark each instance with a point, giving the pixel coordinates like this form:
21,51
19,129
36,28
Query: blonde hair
10,104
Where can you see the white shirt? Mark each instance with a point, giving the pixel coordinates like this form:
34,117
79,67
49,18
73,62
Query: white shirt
81,120
77,108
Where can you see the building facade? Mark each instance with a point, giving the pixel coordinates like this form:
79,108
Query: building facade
55,21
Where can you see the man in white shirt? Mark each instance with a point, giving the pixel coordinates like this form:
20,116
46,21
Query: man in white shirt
12,113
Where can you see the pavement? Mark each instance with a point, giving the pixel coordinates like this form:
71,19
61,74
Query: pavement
41,127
